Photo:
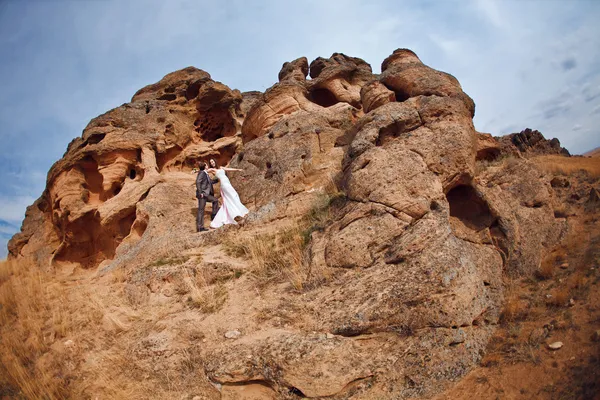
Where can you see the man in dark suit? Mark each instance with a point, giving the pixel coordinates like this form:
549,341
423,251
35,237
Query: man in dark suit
205,192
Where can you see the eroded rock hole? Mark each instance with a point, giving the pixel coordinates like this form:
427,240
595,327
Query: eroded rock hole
401,95
96,138
192,91
297,392
93,180
323,97
270,172
387,133
488,155
164,160
88,242
469,207
168,97
215,124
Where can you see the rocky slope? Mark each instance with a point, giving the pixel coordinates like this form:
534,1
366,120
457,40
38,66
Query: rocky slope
400,288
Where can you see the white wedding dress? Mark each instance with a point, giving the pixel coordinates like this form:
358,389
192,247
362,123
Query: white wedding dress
231,207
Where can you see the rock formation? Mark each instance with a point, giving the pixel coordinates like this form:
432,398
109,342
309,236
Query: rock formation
418,246
93,197
533,142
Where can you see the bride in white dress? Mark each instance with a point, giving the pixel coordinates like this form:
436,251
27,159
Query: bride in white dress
232,206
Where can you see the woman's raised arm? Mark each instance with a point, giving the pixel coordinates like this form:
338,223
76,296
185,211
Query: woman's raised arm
231,169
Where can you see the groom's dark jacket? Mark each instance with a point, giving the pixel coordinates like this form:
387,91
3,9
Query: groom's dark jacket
204,185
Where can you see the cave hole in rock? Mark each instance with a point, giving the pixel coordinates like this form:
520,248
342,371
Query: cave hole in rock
193,89
270,171
488,154
469,207
93,180
168,97
322,97
132,173
164,161
88,242
95,138
215,124
387,133
297,392
169,130
401,96
401,93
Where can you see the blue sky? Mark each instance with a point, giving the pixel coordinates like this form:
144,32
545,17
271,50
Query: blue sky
526,63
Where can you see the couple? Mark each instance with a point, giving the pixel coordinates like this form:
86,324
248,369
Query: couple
232,207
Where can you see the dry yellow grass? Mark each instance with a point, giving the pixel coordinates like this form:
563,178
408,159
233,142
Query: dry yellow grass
273,256
282,255
28,326
568,165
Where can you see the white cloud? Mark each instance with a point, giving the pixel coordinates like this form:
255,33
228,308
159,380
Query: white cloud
490,10
12,208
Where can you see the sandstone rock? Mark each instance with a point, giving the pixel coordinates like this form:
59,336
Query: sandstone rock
532,141
488,148
405,74
520,197
555,345
232,334
374,95
89,206
596,336
418,242
593,200
296,70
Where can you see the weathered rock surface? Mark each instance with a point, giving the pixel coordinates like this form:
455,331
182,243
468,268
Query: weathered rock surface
418,244
531,141
94,193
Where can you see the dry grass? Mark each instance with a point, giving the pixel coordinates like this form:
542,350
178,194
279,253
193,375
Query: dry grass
546,270
283,255
559,297
28,326
562,165
515,309
273,256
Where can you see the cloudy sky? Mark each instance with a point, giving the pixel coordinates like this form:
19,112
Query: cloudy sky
526,63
